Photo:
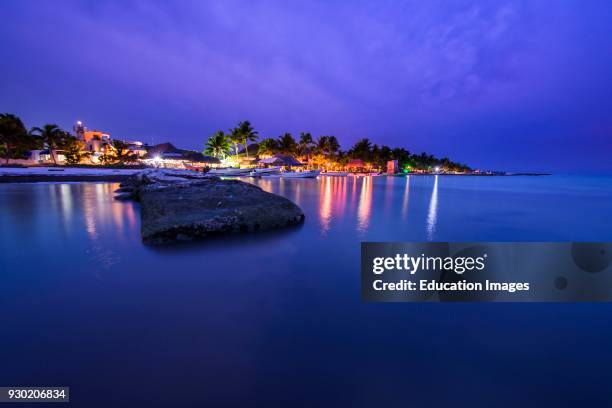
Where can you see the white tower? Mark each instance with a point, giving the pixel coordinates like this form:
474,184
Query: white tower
79,129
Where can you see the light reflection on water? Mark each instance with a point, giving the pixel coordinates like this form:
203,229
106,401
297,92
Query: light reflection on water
382,208
333,198
433,211
406,200
77,213
439,208
325,207
76,279
345,198
365,205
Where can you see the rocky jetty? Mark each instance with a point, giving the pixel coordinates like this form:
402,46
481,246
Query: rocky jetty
183,205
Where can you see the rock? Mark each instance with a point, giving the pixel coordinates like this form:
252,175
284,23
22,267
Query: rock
124,196
177,208
124,189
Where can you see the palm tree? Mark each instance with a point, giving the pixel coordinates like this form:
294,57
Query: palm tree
287,144
118,152
235,138
375,154
245,133
218,145
321,144
74,150
268,146
52,136
385,154
305,142
305,145
328,145
361,150
332,145
402,156
123,154
14,138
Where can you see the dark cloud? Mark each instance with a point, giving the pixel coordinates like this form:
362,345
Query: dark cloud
498,84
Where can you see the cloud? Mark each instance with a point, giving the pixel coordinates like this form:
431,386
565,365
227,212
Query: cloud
423,74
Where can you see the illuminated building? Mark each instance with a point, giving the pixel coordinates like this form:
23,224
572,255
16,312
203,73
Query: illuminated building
166,155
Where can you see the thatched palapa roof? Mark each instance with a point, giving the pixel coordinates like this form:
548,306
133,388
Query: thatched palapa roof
281,160
168,151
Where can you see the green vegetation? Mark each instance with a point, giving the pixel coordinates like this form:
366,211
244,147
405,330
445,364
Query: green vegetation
74,150
52,137
328,146
118,153
15,141
322,152
245,133
218,145
286,144
268,147
325,151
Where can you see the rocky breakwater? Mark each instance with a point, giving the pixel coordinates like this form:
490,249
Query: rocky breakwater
183,205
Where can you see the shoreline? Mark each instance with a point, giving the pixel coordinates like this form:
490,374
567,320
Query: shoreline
64,174
44,178
88,174
471,174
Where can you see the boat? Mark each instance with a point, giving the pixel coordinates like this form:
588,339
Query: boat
301,174
335,173
189,166
265,171
229,172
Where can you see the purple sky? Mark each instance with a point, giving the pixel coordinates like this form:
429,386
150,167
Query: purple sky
510,85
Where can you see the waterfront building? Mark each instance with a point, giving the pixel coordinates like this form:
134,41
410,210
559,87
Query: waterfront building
356,165
79,130
168,156
281,160
91,135
392,167
44,156
95,141
137,148
98,142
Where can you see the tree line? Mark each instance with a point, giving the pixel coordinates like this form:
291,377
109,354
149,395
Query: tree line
322,150
16,141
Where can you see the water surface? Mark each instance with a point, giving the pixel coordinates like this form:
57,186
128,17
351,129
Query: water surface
276,318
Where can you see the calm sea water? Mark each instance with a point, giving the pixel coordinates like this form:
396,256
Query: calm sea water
276,318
